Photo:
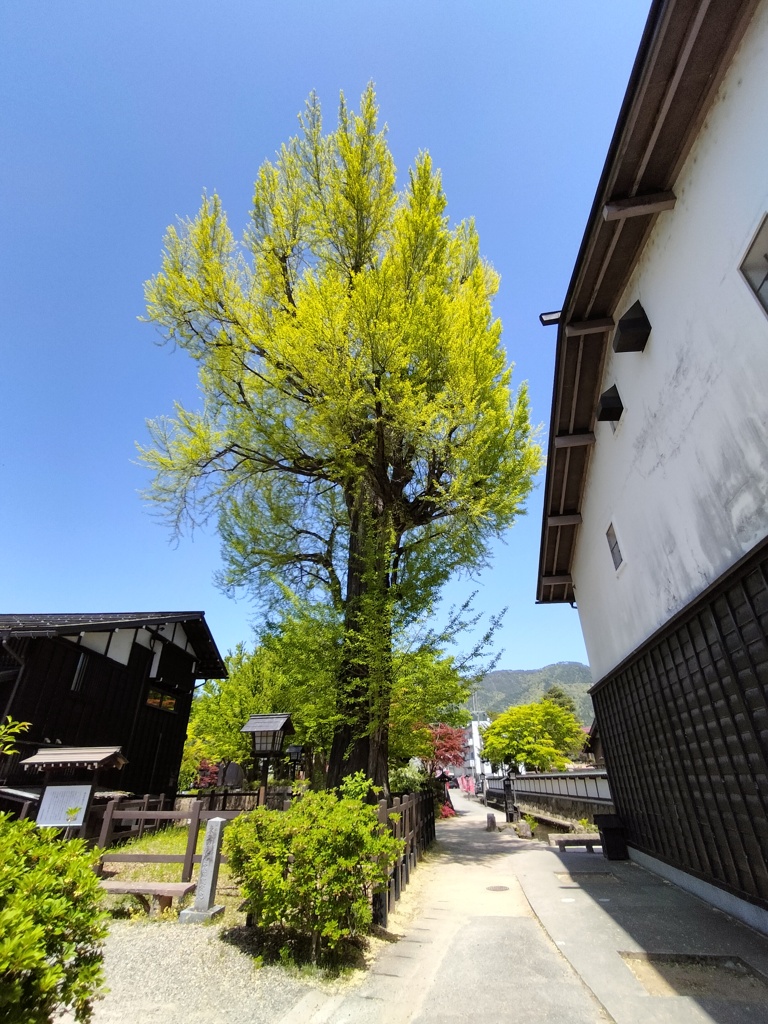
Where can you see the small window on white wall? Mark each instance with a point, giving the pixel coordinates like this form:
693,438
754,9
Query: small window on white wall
755,265
613,544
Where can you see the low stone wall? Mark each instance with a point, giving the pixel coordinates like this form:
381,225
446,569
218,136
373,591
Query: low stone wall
573,810
555,807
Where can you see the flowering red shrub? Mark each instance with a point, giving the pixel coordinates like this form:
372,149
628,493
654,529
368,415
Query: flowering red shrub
207,775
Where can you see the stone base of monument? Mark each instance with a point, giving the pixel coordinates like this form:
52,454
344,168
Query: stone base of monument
192,916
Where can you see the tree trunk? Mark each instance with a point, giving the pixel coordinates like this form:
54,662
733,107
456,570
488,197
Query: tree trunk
361,740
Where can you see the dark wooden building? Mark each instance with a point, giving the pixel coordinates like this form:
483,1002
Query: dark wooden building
122,679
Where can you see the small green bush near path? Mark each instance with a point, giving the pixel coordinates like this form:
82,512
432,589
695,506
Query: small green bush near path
51,925
313,868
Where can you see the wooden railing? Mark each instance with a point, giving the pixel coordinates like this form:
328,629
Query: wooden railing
119,811
589,785
414,823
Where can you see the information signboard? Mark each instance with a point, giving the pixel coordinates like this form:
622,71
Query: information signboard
64,806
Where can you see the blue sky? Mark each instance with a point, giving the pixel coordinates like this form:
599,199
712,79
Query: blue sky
115,118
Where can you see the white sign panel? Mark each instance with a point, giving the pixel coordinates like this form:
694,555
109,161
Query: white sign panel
64,806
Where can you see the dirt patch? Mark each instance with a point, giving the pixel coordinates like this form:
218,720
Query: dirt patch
701,977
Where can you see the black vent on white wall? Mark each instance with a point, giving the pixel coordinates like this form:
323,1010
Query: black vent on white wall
609,407
632,330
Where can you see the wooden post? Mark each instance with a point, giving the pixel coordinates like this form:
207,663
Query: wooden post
194,827
380,901
105,836
264,781
398,830
405,807
143,807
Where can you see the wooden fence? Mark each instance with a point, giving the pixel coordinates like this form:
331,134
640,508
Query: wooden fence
118,812
414,823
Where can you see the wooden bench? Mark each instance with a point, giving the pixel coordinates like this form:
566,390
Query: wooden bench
162,892
566,839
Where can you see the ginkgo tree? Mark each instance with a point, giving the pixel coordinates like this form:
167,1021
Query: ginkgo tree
357,441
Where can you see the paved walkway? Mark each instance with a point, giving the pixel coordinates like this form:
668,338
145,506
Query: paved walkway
546,947
491,930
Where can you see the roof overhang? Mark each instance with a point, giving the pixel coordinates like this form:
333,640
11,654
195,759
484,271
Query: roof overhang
685,50
210,664
90,758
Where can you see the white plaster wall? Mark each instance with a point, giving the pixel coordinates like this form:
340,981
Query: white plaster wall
684,479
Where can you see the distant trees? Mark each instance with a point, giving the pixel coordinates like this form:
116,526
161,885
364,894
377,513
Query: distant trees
294,669
357,441
558,696
534,735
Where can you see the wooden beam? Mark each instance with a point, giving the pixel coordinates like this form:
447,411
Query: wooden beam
547,319
553,581
578,327
639,206
565,520
574,440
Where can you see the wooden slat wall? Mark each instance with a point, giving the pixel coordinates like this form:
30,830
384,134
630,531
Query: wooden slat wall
685,727
109,708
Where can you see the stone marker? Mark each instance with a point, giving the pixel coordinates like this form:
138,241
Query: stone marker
491,826
203,910
523,829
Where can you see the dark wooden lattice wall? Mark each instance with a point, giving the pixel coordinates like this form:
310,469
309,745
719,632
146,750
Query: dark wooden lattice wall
685,728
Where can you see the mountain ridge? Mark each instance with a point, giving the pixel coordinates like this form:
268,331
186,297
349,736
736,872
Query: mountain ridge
501,688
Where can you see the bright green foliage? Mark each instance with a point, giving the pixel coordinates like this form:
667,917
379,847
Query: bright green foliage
409,779
314,867
9,731
426,688
295,670
51,926
535,735
256,685
358,441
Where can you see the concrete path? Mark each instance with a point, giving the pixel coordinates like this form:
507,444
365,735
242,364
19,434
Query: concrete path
545,948
469,952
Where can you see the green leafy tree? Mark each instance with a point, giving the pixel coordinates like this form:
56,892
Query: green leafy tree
535,735
358,441
255,685
426,688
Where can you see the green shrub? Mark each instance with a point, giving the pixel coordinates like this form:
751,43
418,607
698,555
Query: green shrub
408,780
51,925
314,867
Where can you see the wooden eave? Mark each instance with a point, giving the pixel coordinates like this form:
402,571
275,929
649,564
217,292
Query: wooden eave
685,50
209,663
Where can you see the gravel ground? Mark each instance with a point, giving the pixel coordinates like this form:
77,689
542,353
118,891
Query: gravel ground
185,974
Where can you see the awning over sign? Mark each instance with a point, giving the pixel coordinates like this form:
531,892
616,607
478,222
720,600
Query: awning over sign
90,758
